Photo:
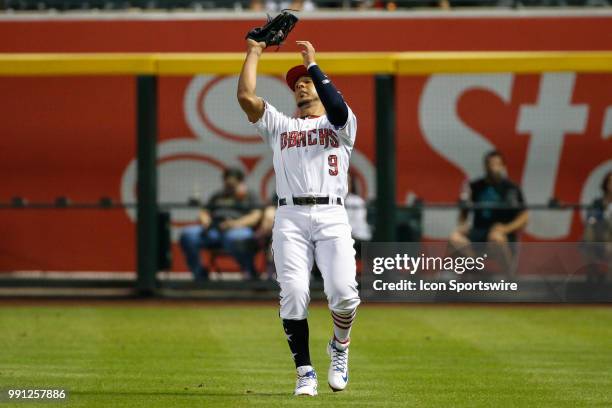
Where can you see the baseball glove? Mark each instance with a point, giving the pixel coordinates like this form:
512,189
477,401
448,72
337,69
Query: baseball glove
276,29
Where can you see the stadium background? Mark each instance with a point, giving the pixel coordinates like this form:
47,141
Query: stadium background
74,136
66,142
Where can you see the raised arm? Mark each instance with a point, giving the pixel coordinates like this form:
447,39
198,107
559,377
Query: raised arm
250,103
335,107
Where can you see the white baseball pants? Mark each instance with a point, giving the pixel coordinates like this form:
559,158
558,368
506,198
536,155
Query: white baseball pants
303,234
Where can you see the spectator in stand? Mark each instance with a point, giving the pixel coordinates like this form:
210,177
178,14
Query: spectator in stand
598,228
226,222
499,224
357,211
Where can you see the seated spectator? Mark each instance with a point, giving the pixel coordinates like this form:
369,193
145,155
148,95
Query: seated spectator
357,212
226,222
498,224
598,228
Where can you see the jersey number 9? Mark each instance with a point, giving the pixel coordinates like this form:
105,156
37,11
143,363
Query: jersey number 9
332,160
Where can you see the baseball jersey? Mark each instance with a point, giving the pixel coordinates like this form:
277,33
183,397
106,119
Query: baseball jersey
311,156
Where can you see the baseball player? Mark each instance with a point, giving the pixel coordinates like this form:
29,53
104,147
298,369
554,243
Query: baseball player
311,161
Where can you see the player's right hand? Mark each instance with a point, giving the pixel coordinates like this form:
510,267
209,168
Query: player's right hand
254,45
307,51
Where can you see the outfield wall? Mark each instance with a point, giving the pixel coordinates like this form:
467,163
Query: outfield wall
75,136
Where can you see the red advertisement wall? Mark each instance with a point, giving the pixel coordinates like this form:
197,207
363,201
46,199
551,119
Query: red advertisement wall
75,136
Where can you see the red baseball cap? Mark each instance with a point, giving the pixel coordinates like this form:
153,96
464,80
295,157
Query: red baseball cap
294,74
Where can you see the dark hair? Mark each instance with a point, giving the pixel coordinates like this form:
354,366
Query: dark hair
233,172
604,182
490,155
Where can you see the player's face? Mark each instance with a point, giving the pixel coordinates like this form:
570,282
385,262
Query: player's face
304,91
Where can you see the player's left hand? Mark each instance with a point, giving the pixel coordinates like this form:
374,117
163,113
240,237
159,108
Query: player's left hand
308,52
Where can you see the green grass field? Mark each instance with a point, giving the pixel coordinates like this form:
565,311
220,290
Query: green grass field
211,355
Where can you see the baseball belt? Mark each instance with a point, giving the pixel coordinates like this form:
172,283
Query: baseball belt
311,200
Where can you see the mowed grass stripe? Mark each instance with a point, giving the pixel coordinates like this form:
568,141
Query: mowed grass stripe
442,368
561,352
401,356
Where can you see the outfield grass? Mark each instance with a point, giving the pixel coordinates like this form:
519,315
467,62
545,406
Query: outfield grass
417,356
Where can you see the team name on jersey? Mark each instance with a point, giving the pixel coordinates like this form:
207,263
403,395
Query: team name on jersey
324,137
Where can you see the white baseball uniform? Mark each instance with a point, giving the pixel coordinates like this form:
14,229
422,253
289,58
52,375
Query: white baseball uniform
311,158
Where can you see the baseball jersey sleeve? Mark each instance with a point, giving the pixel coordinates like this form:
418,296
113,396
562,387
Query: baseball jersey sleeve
270,124
348,132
